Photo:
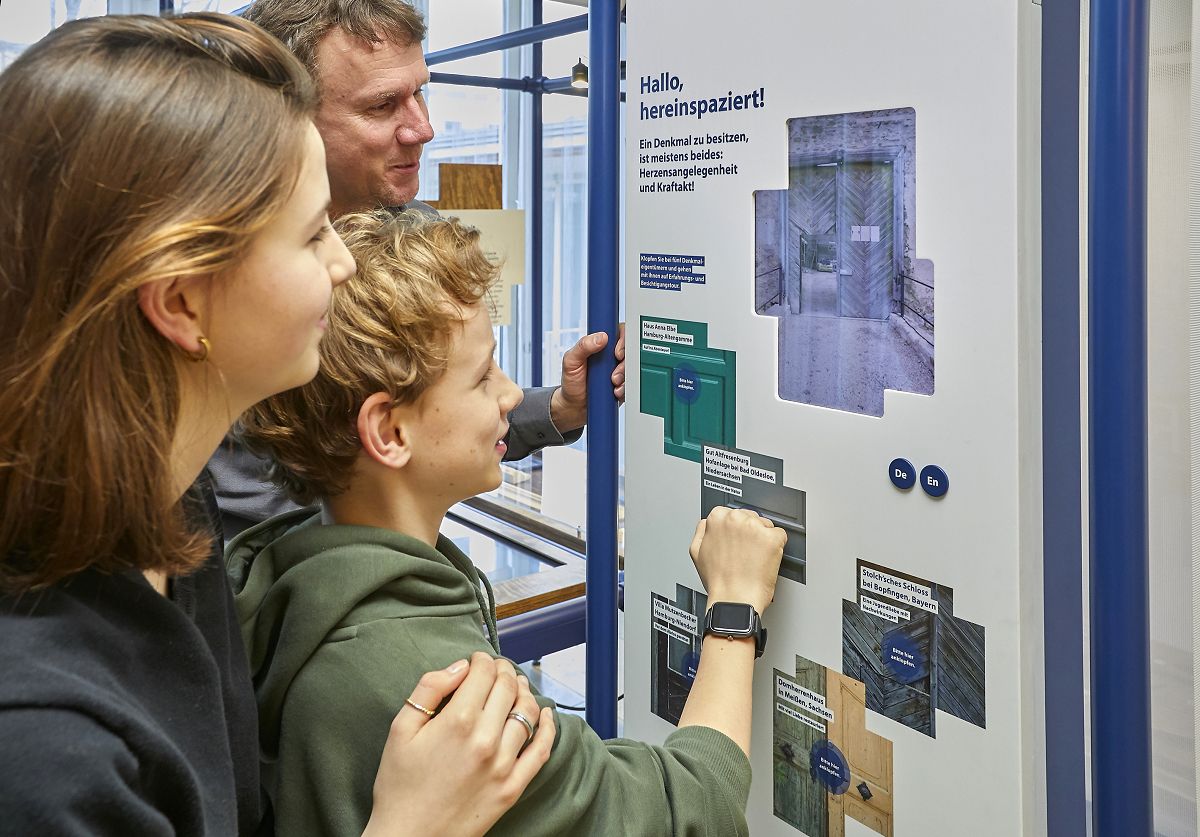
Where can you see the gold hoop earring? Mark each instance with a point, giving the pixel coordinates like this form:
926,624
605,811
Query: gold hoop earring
201,354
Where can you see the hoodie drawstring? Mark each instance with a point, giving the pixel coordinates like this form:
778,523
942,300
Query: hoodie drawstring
493,637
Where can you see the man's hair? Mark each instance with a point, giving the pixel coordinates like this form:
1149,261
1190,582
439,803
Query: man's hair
135,149
301,24
390,330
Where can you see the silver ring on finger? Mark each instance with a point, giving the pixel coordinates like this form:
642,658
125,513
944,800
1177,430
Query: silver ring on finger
528,726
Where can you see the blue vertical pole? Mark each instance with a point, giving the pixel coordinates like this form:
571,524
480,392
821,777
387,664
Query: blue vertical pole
536,189
604,183
1122,782
1062,507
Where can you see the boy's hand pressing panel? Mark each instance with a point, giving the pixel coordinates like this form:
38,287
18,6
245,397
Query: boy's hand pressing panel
737,554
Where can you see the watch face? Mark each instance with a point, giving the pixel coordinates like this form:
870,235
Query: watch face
728,616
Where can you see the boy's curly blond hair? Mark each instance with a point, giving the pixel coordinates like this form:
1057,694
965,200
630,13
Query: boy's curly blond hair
390,329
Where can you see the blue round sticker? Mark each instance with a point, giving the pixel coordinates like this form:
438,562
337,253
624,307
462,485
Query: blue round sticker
934,481
902,474
903,658
687,383
691,663
829,766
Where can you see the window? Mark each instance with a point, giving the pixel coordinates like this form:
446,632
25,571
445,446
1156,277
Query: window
224,6
545,492
23,22
466,120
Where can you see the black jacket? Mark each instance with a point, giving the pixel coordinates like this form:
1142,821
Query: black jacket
123,712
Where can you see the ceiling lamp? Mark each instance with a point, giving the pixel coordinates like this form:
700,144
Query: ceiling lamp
579,76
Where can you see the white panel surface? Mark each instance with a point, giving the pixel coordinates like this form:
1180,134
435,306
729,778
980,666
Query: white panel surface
957,66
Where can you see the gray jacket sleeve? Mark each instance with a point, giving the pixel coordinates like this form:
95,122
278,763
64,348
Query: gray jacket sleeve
244,495
530,428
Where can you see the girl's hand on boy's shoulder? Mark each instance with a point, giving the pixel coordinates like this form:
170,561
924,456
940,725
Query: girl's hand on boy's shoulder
456,771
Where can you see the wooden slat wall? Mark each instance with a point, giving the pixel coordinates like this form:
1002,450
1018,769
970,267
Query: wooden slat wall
470,186
960,663
862,636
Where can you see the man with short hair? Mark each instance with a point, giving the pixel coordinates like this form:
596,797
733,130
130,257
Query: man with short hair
367,60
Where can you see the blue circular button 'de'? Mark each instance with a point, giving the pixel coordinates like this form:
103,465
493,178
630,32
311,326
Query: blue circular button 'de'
686,383
829,766
902,474
934,481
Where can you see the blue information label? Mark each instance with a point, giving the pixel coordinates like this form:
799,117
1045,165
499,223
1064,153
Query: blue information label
669,272
691,663
687,383
829,766
934,481
903,658
902,474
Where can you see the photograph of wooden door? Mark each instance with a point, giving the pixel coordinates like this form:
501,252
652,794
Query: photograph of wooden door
800,800
812,218
869,756
710,415
866,240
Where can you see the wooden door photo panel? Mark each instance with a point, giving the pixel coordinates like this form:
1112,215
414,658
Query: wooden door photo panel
675,651
869,797
692,387
835,262
799,798
959,663
865,240
710,417
863,658
770,497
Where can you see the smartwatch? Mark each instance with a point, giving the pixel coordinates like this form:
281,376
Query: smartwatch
736,621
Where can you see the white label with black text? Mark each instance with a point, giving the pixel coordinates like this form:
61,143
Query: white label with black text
882,609
805,699
804,719
667,612
665,333
901,589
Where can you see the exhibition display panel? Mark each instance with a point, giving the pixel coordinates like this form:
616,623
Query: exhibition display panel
803,193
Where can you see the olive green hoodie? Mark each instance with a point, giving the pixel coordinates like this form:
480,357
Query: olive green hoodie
341,621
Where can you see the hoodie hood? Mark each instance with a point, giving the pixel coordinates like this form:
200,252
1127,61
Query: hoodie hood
299,583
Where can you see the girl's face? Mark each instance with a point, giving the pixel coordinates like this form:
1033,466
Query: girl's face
268,315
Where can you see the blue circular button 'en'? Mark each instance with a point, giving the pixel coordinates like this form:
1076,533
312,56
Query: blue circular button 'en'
903,658
687,383
902,474
691,664
934,481
829,766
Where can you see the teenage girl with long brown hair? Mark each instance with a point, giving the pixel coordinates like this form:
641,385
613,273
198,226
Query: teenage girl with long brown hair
166,262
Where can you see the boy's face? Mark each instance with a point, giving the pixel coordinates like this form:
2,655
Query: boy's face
461,421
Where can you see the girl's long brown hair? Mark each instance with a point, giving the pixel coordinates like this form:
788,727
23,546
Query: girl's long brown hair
132,149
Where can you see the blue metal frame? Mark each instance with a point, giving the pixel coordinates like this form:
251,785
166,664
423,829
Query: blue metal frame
1122,776
532,635
536,220
521,37
1062,512
603,23
529,84
525,85
604,156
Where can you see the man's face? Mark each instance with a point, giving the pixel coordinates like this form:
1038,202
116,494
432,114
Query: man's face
373,119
